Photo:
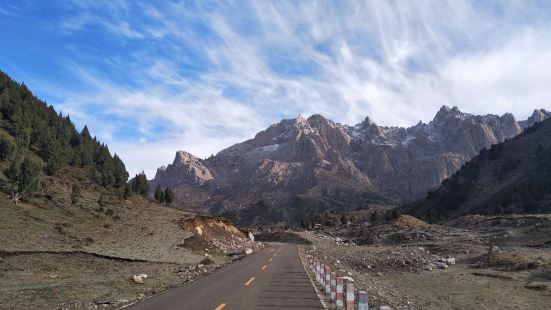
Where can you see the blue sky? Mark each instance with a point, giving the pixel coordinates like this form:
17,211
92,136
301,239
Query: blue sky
151,79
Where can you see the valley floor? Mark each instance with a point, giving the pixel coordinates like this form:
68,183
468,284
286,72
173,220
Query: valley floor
407,267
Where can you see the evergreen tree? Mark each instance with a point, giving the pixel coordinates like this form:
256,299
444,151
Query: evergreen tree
159,194
119,172
169,196
127,191
22,175
7,148
140,185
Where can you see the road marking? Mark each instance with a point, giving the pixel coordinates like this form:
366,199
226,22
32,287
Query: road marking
270,259
263,267
220,307
250,281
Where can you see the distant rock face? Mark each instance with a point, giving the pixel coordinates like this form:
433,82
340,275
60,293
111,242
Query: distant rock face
185,170
318,157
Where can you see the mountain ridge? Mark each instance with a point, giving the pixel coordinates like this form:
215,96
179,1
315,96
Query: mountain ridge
510,177
316,158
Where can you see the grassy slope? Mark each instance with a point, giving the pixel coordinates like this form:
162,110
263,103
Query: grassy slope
52,252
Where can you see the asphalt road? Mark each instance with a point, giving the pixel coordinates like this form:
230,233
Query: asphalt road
272,278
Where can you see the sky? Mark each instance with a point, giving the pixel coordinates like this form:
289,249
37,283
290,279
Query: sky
153,77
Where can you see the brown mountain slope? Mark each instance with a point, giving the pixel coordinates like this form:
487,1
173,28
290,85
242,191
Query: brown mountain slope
511,177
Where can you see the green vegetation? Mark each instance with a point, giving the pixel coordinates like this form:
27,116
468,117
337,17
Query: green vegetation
22,175
169,196
38,128
36,141
140,185
166,196
159,194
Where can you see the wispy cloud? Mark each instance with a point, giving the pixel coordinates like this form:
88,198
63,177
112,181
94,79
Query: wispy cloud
203,75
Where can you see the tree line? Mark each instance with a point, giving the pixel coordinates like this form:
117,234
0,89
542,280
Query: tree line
31,130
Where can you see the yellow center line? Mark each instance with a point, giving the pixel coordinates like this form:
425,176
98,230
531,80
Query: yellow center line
270,259
263,267
220,307
250,281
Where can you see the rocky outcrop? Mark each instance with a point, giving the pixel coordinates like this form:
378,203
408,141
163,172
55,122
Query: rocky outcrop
185,170
317,157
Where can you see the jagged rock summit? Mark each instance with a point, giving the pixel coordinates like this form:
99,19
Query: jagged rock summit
185,170
302,160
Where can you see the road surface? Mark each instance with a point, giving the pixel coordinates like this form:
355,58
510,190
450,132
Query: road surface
272,278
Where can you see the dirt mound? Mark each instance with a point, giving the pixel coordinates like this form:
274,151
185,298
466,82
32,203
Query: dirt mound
405,230
215,236
507,260
210,228
410,222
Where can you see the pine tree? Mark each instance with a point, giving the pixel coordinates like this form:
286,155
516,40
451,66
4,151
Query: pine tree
7,148
127,191
159,194
22,175
169,196
140,185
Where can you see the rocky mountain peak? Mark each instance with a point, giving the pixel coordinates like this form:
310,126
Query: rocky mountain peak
445,113
537,116
186,169
183,157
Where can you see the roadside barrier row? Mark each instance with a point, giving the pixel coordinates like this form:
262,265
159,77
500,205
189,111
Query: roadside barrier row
339,290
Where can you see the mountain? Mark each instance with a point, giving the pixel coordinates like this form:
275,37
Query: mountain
310,165
511,177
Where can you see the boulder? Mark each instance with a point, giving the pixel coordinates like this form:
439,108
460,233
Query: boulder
248,251
137,279
450,260
251,236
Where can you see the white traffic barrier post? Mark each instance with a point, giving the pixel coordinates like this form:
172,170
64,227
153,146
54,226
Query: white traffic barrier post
317,271
349,296
333,286
362,301
322,275
340,302
327,282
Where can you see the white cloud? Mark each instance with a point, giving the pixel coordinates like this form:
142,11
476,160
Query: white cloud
397,62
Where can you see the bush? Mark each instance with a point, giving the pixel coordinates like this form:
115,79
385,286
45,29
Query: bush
207,261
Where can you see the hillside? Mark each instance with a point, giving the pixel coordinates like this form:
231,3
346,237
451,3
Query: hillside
73,232
303,166
511,177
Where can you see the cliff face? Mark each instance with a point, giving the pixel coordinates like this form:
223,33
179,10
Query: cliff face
349,165
185,170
